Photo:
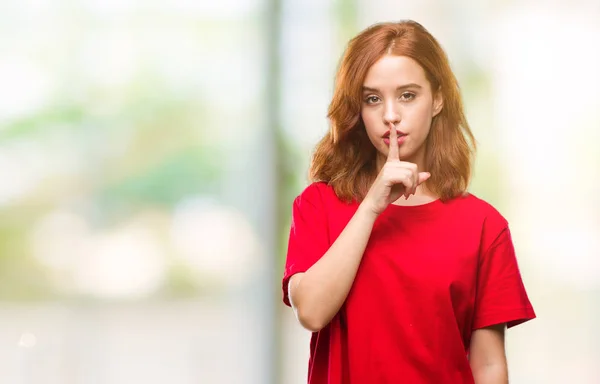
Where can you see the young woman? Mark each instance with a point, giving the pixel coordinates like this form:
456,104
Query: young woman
401,275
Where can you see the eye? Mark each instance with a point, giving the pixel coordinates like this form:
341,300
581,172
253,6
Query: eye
371,99
407,96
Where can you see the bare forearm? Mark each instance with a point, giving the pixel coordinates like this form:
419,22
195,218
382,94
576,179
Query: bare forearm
318,294
487,355
491,374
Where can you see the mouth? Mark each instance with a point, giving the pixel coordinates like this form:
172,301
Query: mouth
398,133
401,137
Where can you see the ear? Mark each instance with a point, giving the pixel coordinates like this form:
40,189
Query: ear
438,102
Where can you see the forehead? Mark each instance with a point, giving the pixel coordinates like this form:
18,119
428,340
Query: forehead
393,71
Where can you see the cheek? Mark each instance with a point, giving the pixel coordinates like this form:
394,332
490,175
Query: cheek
418,118
366,116
372,128
369,122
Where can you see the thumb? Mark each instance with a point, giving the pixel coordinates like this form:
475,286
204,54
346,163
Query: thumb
423,176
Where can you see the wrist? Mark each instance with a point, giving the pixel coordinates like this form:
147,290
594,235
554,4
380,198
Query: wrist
367,211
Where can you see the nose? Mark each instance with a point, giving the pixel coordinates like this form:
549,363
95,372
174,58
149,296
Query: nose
391,113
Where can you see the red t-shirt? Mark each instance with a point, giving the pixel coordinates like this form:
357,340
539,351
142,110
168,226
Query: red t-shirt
430,276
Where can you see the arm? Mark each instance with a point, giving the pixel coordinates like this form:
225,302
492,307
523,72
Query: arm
487,355
317,294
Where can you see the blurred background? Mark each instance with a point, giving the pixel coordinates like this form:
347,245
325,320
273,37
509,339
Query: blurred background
150,152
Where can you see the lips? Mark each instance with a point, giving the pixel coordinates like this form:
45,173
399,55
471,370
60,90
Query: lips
401,139
400,134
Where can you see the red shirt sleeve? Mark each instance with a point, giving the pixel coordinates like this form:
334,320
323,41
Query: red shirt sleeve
309,238
501,296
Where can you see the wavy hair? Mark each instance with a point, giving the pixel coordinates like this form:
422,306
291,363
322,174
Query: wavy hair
346,159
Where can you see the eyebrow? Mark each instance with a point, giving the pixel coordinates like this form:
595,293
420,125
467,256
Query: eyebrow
401,87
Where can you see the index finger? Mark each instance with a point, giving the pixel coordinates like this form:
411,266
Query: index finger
393,152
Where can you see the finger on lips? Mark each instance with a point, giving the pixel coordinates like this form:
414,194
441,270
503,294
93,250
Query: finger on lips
415,178
393,151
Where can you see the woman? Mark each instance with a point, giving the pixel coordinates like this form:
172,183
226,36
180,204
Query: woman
401,275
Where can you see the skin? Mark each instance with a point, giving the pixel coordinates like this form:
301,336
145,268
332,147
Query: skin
487,355
396,97
396,93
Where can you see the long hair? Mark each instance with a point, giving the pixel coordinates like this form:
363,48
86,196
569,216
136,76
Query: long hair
346,159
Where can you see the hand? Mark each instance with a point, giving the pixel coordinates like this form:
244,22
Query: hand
396,178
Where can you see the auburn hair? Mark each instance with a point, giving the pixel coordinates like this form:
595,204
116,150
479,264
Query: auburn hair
346,159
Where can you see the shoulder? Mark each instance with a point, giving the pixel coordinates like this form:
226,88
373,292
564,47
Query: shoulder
471,207
320,196
317,193
478,205
315,189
